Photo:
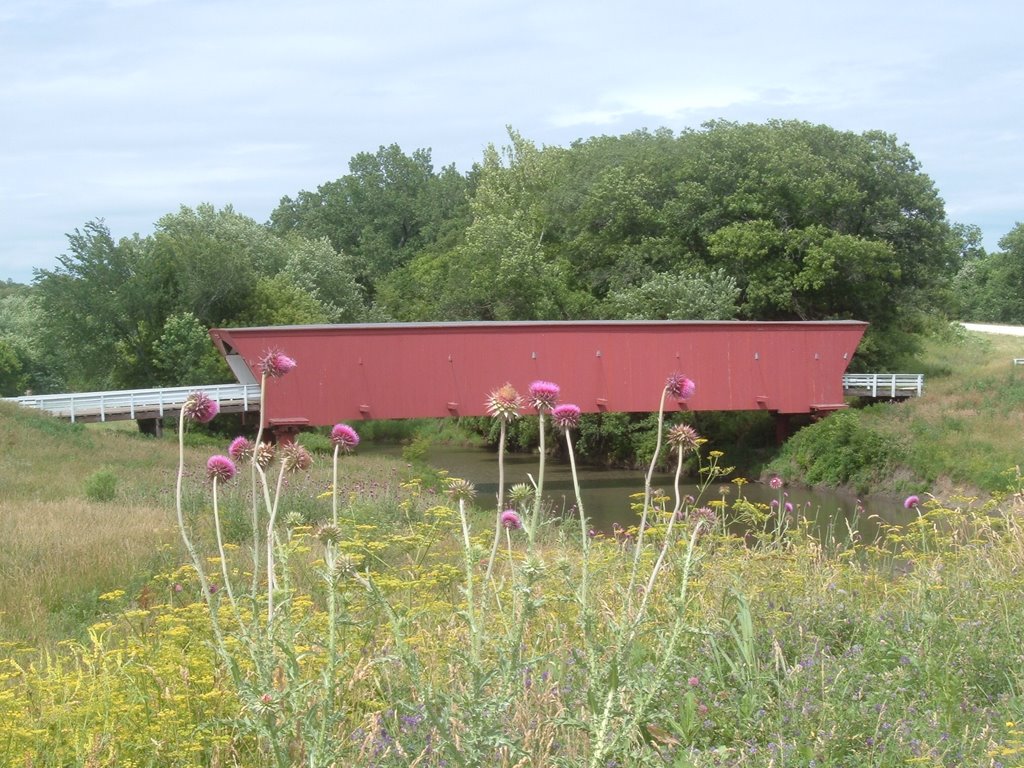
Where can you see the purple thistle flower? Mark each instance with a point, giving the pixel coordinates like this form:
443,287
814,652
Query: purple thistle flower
911,501
703,514
200,407
544,395
788,507
504,402
680,387
276,364
241,448
344,437
566,416
511,520
220,468
775,483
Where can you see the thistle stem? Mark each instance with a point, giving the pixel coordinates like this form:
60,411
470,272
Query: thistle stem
647,500
501,501
539,491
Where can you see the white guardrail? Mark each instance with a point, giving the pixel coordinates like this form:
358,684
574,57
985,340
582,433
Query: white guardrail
140,403
884,384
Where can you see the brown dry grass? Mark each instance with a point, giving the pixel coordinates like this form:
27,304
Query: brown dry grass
59,556
60,550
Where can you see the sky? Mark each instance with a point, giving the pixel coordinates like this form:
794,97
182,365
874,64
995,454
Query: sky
125,110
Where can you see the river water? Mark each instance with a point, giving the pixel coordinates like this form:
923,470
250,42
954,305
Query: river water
606,492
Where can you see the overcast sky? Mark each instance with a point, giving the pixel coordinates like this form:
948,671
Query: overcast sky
127,109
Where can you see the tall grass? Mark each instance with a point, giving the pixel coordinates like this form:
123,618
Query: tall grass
963,433
397,641
966,430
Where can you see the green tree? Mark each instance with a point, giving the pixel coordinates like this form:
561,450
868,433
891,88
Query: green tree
278,300
688,295
382,213
21,329
208,261
12,379
96,310
184,355
328,276
990,288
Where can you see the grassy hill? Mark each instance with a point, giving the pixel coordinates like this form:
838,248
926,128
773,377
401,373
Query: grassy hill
965,432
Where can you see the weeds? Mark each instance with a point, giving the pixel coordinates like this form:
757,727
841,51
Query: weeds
386,625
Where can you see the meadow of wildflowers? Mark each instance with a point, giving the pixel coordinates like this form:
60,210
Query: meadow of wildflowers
316,619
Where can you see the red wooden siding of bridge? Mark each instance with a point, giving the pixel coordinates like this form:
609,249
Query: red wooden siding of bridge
394,371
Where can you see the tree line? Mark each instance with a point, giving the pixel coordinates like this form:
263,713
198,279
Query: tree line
776,221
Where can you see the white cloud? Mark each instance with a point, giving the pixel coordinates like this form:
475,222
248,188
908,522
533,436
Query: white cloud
129,108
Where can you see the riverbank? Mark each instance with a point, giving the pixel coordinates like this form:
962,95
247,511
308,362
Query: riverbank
962,435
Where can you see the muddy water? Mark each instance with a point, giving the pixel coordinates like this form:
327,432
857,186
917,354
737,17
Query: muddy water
606,492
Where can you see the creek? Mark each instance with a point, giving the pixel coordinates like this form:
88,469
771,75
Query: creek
606,493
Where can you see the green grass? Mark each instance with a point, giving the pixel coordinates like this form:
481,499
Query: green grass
964,432
775,649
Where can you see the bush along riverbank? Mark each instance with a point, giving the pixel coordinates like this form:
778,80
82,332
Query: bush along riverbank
392,625
964,433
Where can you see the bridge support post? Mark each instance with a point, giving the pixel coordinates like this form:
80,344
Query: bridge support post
285,430
153,427
782,427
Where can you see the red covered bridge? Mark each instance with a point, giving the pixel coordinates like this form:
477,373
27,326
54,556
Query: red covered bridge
399,370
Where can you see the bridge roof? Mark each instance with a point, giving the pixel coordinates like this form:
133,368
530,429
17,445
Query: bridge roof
405,370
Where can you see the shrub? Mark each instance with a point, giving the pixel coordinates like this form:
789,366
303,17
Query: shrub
101,486
839,450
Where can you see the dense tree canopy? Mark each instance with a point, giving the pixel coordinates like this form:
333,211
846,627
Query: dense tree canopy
135,312
781,220
990,288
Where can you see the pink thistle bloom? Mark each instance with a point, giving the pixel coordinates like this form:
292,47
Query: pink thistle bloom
343,436
689,388
911,501
296,458
200,407
680,387
775,483
220,468
241,448
705,515
788,507
566,416
683,437
510,520
544,395
504,402
276,364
